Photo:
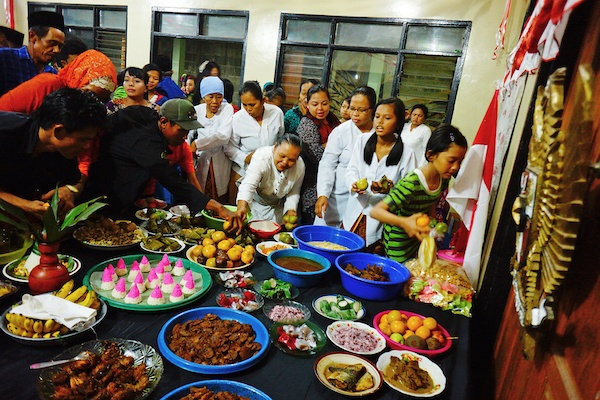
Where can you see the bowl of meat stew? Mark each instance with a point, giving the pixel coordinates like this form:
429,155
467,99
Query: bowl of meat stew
371,277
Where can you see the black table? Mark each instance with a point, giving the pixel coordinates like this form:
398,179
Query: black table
279,375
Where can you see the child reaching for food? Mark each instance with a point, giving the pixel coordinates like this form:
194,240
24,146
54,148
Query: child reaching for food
417,193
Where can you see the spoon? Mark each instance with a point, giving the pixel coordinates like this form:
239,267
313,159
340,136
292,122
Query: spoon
81,356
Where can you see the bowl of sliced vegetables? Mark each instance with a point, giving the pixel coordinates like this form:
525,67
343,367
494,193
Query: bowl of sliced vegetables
276,289
338,307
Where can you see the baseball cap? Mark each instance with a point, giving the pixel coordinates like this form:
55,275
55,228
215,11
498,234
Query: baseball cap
180,112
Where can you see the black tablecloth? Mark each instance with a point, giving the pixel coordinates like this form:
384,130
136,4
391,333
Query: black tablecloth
279,375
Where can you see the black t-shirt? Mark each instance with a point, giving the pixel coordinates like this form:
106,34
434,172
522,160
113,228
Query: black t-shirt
22,173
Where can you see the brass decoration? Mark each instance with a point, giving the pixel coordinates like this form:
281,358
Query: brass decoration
558,158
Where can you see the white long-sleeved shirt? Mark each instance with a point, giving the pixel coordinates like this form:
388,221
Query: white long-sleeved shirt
331,178
363,203
269,192
417,140
248,135
210,141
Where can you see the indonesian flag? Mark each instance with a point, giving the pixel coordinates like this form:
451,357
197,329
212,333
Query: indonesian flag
9,10
470,194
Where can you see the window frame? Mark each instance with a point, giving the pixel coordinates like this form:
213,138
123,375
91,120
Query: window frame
331,47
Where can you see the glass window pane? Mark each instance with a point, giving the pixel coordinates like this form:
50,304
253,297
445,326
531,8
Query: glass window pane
224,26
113,19
351,69
36,7
179,24
428,80
308,31
87,35
435,38
78,17
300,63
114,45
364,35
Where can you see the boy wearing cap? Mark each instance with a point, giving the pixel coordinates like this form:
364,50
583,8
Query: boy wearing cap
135,149
46,37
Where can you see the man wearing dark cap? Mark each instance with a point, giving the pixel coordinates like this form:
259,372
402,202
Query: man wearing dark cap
134,150
167,87
10,38
46,37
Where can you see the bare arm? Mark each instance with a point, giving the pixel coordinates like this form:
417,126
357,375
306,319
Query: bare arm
381,212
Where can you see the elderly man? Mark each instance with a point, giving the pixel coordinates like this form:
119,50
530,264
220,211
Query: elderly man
39,151
135,149
46,38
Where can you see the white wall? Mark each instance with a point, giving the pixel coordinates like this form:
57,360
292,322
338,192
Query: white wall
480,72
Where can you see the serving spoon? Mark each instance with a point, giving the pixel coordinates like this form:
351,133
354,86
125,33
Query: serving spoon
81,356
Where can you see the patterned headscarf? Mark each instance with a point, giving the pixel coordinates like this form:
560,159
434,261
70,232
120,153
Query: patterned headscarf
90,68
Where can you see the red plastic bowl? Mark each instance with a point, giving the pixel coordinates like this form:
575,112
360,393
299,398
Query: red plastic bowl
397,346
264,229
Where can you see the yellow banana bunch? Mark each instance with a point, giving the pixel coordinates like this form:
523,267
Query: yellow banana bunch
65,289
34,328
76,294
88,299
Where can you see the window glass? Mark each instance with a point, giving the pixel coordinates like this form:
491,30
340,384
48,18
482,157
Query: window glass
113,44
78,17
112,19
224,26
87,35
368,35
179,24
308,31
351,69
427,80
435,38
300,63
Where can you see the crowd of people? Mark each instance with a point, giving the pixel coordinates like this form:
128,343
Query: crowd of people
70,122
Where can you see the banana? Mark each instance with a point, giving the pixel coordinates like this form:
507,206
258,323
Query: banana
19,320
47,335
28,324
77,293
38,326
10,317
65,289
14,329
55,327
48,325
26,333
88,299
55,334
37,335
96,304
63,330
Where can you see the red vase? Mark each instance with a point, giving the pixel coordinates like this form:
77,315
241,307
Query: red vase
50,274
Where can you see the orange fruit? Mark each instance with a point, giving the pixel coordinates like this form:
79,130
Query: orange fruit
383,319
423,332
209,250
247,257
398,327
430,323
250,249
414,323
403,317
197,250
234,253
218,236
207,241
408,334
423,221
385,328
226,225
393,315
211,262
224,245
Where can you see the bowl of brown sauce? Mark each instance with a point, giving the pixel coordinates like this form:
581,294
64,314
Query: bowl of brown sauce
301,268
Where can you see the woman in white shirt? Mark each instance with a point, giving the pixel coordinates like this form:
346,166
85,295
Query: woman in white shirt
416,134
373,157
208,142
332,190
271,187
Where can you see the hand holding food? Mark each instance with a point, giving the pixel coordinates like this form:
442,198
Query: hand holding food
290,220
360,185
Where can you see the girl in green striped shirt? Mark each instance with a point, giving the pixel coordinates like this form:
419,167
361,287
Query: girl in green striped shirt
417,193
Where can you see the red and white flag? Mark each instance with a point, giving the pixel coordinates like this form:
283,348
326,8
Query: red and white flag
470,194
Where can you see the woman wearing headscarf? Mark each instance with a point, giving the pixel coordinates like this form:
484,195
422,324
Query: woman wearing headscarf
91,70
207,142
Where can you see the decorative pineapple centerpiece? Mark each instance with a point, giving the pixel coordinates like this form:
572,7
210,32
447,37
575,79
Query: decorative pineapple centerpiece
50,274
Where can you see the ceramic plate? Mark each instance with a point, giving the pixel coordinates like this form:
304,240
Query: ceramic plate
190,257
344,358
262,337
298,310
235,279
180,210
277,238
142,354
332,297
143,203
294,292
437,376
143,214
84,233
345,335
180,242
7,289
174,228
266,248
398,346
235,296
320,337
54,341
73,265
218,385
202,281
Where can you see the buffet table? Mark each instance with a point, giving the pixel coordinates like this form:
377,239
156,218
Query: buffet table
279,375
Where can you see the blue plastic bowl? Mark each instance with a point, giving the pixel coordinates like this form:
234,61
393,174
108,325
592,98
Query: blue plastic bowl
218,385
312,233
298,278
262,337
368,289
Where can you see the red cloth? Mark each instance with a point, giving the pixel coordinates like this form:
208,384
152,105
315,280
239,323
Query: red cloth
28,96
180,155
325,125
